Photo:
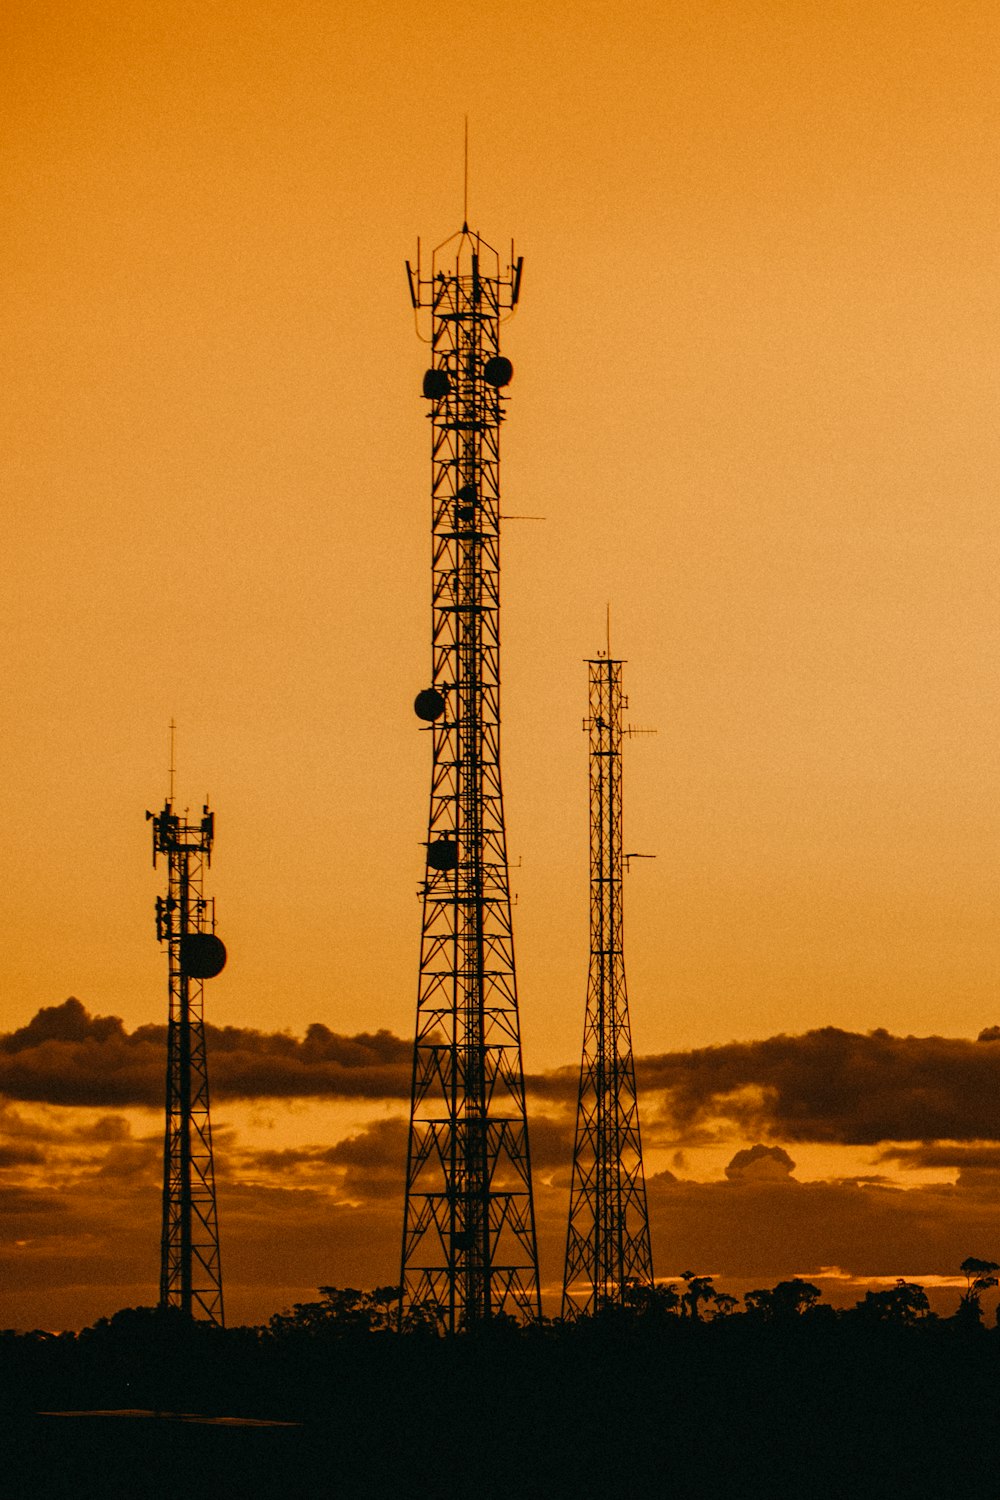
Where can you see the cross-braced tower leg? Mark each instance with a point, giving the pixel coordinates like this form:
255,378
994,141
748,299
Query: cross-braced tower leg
190,1268
469,1251
607,1245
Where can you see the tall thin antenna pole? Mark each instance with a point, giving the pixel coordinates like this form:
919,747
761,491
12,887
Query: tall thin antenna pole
607,1243
172,767
465,180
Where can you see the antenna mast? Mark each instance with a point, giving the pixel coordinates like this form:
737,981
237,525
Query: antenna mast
469,1249
607,1242
190,1268
465,179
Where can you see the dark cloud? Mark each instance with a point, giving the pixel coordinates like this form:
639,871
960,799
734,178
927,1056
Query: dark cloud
760,1164
369,1164
559,1085
550,1141
834,1086
69,1022
284,1160
249,1064
67,1056
382,1144
104,1130
976,1167
945,1155
131,1162
28,1131
770,1231
373,1163
20,1205
21,1156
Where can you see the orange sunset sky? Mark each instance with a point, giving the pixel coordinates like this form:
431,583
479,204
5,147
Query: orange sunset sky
755,401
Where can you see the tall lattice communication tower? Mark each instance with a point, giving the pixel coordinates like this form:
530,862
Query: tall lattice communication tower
469,1248
190,1268
607,1244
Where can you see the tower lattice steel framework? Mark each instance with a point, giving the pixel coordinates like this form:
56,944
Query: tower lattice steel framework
607,1244
190,1268
469,1250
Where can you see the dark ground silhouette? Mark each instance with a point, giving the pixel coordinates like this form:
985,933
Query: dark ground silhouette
786,1399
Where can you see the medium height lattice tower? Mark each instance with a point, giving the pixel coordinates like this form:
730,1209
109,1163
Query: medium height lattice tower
469,1250
190,1269
607,1245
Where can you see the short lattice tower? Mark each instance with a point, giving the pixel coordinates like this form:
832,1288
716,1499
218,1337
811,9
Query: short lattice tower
190,1267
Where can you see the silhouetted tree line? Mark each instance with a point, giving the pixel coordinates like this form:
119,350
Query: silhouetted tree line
681,1391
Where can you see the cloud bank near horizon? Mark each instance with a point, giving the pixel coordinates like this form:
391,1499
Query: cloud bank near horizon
836,1087
66,1056
825,1086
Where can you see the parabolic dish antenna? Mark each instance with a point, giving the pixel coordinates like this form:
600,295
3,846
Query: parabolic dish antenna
203,955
